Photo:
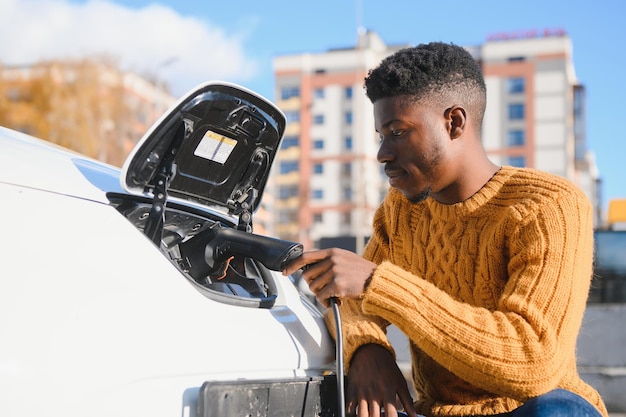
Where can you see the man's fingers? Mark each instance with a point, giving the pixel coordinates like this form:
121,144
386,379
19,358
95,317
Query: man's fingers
351,408
374,409
391,410
307,258
363,408
407,403
317,276
313,271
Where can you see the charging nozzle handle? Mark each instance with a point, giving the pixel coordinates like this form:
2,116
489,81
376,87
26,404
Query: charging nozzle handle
274,253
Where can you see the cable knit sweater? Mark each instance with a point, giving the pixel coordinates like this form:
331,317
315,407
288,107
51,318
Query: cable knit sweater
490,292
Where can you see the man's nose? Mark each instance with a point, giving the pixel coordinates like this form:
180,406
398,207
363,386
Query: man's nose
385,153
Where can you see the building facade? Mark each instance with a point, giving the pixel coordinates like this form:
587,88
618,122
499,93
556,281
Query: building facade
327,182
536,108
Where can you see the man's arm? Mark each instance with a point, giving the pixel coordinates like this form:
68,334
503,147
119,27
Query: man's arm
374,379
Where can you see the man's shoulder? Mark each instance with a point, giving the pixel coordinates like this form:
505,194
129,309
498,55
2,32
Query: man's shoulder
540,187
534,180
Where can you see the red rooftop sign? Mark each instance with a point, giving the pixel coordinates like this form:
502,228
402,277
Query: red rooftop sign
525,34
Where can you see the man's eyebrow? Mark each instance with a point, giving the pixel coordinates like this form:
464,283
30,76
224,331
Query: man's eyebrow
387,124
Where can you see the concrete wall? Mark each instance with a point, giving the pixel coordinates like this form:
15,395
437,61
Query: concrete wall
602,353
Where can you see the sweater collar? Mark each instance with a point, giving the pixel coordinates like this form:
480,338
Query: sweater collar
476,201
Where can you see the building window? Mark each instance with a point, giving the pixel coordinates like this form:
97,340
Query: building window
347,218
318,93
347,143
318,119
289,142
288,92
347,168
318,218
516,137
318,144
287,191
143,117
515,85
287,216
516,111
292,116
517,59
348,117
288,166
517,161
347,193
317,194
318,168
348,92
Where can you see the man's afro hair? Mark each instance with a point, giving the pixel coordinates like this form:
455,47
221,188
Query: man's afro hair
423,69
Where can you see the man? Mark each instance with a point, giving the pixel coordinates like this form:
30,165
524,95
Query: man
486,269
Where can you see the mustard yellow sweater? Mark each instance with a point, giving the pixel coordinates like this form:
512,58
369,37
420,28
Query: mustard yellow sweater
490,292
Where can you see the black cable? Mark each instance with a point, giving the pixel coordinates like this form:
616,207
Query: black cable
341,400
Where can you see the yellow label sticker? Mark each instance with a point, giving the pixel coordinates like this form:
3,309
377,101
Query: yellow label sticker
215,147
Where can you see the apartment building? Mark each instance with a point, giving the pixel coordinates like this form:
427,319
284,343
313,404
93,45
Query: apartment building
327,182
536,107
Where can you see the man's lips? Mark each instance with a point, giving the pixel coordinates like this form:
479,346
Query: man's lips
394,174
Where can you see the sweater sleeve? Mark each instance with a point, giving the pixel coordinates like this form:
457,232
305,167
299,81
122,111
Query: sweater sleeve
523,347
358,328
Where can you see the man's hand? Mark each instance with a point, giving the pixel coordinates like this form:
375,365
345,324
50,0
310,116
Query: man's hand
333,273
375,382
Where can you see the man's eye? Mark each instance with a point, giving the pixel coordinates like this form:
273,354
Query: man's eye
392,133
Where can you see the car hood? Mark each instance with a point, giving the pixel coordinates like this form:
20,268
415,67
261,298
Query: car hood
214,147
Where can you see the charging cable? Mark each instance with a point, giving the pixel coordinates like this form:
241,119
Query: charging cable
341,398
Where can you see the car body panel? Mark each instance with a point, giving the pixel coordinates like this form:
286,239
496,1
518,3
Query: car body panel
95,320
34,163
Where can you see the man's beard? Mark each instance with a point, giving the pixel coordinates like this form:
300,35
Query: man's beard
421,196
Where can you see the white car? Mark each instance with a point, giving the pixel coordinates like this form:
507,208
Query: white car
143,292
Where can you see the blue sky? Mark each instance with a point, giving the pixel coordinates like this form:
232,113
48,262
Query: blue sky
188,42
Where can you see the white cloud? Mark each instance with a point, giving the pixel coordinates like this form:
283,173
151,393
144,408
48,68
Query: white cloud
154,40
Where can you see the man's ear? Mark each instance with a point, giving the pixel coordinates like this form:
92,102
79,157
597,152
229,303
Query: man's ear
456,121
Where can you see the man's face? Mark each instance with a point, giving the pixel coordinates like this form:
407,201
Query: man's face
413,147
